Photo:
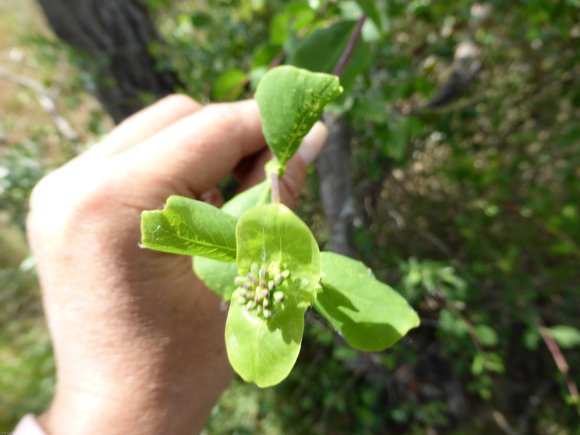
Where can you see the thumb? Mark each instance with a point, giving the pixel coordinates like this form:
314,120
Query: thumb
293,179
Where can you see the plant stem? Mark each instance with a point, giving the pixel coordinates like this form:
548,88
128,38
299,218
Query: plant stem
561,363
347,53
275,184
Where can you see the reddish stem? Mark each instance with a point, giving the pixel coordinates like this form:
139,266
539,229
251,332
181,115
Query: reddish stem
560,361
347,53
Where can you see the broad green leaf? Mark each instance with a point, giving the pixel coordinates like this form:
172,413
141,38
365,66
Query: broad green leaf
322,49
291,100
217,275
263,350
295,17
370,315
201,19
486,335
229,85
189,227
260,351
264,54
273,233
247,200
566,336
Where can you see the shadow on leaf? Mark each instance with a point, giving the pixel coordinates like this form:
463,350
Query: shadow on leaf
341,312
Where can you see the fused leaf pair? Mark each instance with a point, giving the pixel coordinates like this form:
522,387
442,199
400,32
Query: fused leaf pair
278,274
264,260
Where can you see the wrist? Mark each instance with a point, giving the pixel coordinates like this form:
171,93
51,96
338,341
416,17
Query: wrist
125,376
157,406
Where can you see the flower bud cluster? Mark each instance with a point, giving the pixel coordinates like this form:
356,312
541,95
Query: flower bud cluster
259,290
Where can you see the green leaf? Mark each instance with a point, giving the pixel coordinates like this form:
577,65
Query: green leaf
295,17
273,233
217,275
370,315
264,54
566,336
229,86
247,200
486,335
322,49
291,100
260,351
189,227
263,350
371,10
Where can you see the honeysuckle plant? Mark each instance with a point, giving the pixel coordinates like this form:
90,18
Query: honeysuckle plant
257,254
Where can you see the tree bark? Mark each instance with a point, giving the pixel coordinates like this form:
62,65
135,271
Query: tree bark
336,186
117,36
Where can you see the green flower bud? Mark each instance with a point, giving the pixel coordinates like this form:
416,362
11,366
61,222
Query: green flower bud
278,296
262,273
278,279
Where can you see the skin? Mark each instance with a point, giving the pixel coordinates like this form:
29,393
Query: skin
138,338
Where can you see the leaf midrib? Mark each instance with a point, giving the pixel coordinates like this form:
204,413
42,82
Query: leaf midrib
180,236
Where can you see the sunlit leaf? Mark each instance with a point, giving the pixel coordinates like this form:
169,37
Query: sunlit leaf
291,100
566,336
229,85
369,314
260,351
247,200
263,338
189,227
217,275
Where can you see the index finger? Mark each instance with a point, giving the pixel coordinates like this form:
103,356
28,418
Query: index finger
196,152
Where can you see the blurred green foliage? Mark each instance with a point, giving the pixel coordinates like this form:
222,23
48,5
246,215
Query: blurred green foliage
471,210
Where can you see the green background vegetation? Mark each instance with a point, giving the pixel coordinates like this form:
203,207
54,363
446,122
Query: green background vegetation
471,211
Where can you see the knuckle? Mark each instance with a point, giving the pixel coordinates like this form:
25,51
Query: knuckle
62,201
181,101
222,114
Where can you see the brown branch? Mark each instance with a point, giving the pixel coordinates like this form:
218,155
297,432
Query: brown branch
45,101
336,184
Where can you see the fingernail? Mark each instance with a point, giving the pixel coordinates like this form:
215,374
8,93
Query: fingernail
313,142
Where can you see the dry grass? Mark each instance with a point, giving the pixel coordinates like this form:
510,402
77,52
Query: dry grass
17,109
20,111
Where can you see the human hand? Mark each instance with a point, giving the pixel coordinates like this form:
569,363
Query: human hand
138,339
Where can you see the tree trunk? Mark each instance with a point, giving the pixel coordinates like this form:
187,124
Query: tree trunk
117,36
